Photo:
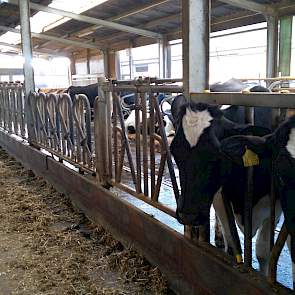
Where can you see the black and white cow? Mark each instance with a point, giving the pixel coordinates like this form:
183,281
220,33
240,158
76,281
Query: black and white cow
280,147
91,91
130,120
200,149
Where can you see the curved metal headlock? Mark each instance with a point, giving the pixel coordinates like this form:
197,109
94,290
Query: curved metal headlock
64,107
20,109
51,114
32,109
8,125
2,110
82,118
42,136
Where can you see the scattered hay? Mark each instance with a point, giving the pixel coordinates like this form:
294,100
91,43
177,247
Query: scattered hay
46,247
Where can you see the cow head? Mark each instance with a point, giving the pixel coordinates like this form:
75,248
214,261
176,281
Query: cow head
203,167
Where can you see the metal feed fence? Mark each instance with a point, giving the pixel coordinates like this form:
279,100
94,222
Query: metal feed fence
134,166
63,127
101,146
12,109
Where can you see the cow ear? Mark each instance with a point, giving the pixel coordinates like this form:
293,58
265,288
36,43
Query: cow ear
215,111
243,150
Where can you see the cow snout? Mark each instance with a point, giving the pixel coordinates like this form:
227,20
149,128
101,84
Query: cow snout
131,129
186,219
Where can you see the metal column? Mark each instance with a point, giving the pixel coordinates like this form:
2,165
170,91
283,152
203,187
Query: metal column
106,63
28,56
130,60
27,45
196,29
163,58
272,46
285,45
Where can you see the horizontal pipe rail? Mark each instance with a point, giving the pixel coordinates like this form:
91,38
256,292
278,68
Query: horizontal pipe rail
273,100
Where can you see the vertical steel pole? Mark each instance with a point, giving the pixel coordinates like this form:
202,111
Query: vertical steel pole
130,60
196,30
272,71
272,46
88,60
169,61
24,10
285,45
106,63
196,33
163,58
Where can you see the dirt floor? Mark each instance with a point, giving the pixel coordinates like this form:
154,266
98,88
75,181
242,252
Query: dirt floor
46,247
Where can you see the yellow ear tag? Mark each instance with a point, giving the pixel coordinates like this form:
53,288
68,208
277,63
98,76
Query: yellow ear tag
239,258
250,158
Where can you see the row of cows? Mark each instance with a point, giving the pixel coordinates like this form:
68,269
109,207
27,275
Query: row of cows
208,148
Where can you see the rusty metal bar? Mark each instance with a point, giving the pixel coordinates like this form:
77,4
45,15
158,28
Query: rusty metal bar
248,218
144,145
108,96
137,142
249,115
161,167
166,148
126,141
115,139
1,107
122,154
152,147
276,252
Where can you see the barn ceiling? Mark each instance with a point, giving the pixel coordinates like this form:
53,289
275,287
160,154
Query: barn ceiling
161,16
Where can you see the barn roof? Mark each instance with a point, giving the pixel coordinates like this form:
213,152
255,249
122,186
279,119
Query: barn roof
161,16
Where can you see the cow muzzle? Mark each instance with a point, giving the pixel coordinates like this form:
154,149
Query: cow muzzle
186,219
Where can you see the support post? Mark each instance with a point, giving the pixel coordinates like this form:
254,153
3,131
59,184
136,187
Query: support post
285,45
106,62
272,47
163,58
24,10
195,18
88,60
130,60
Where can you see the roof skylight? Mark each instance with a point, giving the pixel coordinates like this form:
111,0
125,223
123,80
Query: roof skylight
43,21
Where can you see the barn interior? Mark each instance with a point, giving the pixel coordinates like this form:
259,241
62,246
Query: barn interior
92,38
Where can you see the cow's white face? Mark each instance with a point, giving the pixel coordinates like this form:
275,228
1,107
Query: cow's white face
291,143
194,123
196,153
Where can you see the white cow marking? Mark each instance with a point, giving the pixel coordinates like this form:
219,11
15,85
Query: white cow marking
194,123
291,143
